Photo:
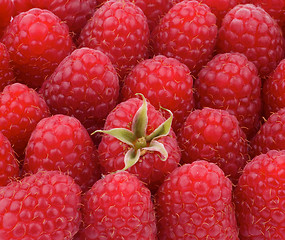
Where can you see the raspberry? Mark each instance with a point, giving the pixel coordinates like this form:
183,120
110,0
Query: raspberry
250,30
84,85
6,12
118,206
21,108
230,82
188,33
61,143
215,136
37,41
45,205
259,197
6,71
273,91
164,82
119,29
195,202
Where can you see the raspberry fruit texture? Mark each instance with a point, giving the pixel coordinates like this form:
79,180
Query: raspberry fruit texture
165,82
21,108
271,135
37,41
230,82
259,197
215,136
6,12
118,28
273,90
6,71
43,206
250,30
61,143
195,202
84,85
9,168
188,33
118,206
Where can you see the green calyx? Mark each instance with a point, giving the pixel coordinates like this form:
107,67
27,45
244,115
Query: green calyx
137,139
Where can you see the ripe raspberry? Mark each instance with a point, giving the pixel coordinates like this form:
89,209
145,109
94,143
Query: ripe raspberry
273,91
119,29
37,41
195,202
84,85
118,206
188,33
271,135
230,82
42,206
6,71
259,197
250,30
164,82
6,12
9,168
215,136
21,108
61,143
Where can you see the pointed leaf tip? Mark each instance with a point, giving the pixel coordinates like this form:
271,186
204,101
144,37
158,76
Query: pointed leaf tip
140,119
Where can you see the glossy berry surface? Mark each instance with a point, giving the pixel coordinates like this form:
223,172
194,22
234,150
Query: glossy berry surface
6,71
215,136
6,12
188,33
120,30
45,205
165,82
118,206
21,108
61,143
259,197
250,30
230,82
37,41
195,202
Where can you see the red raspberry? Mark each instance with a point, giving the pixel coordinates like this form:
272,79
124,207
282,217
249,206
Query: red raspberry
164,82
42,206
37,41
195,202
6,12
21,108
84,85
188,33
271,135
118,206
6,71
230,82
119,29
75,13
250,30
259,198
273,91
61,143
9,168
215,136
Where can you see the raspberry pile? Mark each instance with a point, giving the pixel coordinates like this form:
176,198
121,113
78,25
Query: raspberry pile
142,119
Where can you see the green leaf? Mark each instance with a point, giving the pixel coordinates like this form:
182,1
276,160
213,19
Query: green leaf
140,119
131,158
156,146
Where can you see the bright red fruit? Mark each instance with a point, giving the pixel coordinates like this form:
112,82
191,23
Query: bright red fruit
165,82
21,108
195,202
42,206
252,31
37,41
215,136
118,206
6,71
61,143
259,198
230,82
6,12
85,85
119,29
188,33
